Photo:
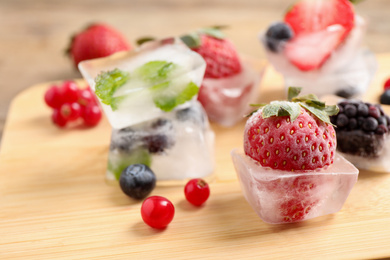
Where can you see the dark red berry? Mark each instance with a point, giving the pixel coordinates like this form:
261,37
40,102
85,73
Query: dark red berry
53,97
71,111
374,111
92,115
58,119
157,211
387,84
381,130
70,91
197,191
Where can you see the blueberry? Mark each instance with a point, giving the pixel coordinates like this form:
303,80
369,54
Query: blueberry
124,139
385,97
162,123
137,181
374,111
362,110
350,110
382,120
342,120
370,124
352,123
277,33
346,92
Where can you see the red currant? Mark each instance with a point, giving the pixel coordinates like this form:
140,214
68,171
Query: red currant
71,111
58,119
157,211
197,191
92,115
53,97
70,91
387,84
85,97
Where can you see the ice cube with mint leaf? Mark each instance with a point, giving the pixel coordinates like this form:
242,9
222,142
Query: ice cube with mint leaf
137,86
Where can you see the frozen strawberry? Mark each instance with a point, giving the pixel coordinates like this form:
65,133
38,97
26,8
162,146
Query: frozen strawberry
98,40
295,136
319,26
219,53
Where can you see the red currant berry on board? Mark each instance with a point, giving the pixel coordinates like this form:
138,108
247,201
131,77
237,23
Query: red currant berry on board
71,111
53,97
387,84
70,91
197,191
92,115
58,119
157,211
85,97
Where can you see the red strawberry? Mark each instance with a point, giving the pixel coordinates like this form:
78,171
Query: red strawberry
387,84
96,41
319,26
292,136
220,55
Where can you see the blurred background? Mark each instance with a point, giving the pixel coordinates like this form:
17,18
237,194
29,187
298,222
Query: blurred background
34,34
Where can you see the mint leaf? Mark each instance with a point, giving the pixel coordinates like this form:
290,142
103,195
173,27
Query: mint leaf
168,100
106,85
155,71
142,40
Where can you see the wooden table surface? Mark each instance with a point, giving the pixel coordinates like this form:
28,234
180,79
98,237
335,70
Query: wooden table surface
34,34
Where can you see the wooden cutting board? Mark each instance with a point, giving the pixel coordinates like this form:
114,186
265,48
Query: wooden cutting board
55,203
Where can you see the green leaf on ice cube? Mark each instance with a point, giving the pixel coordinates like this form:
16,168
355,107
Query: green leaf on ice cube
155,71
109,82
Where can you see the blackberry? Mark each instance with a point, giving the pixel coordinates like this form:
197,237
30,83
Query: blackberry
346,92
276,34
361,128
160,136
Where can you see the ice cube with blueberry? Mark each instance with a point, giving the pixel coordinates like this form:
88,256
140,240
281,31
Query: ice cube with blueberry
137,86
363,135
318,46
177,145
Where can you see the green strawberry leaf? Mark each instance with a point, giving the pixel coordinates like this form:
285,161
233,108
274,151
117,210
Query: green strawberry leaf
213,32
106,85
293,92
320,114
331,110
282,108
142,40
191,40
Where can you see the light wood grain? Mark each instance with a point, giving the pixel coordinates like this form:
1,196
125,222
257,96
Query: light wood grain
55,203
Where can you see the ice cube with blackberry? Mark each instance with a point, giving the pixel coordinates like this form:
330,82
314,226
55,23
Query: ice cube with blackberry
177,145
363,134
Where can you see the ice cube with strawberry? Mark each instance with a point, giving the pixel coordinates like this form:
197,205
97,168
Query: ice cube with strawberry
229,83
289,170
318,47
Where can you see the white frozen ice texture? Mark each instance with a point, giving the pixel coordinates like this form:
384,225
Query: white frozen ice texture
188,141
227,100
139,106
274,194
380,163
349,66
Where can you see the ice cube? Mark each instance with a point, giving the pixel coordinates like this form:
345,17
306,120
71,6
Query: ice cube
347,71
178,145
144,93
378,161
227,100
283,197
